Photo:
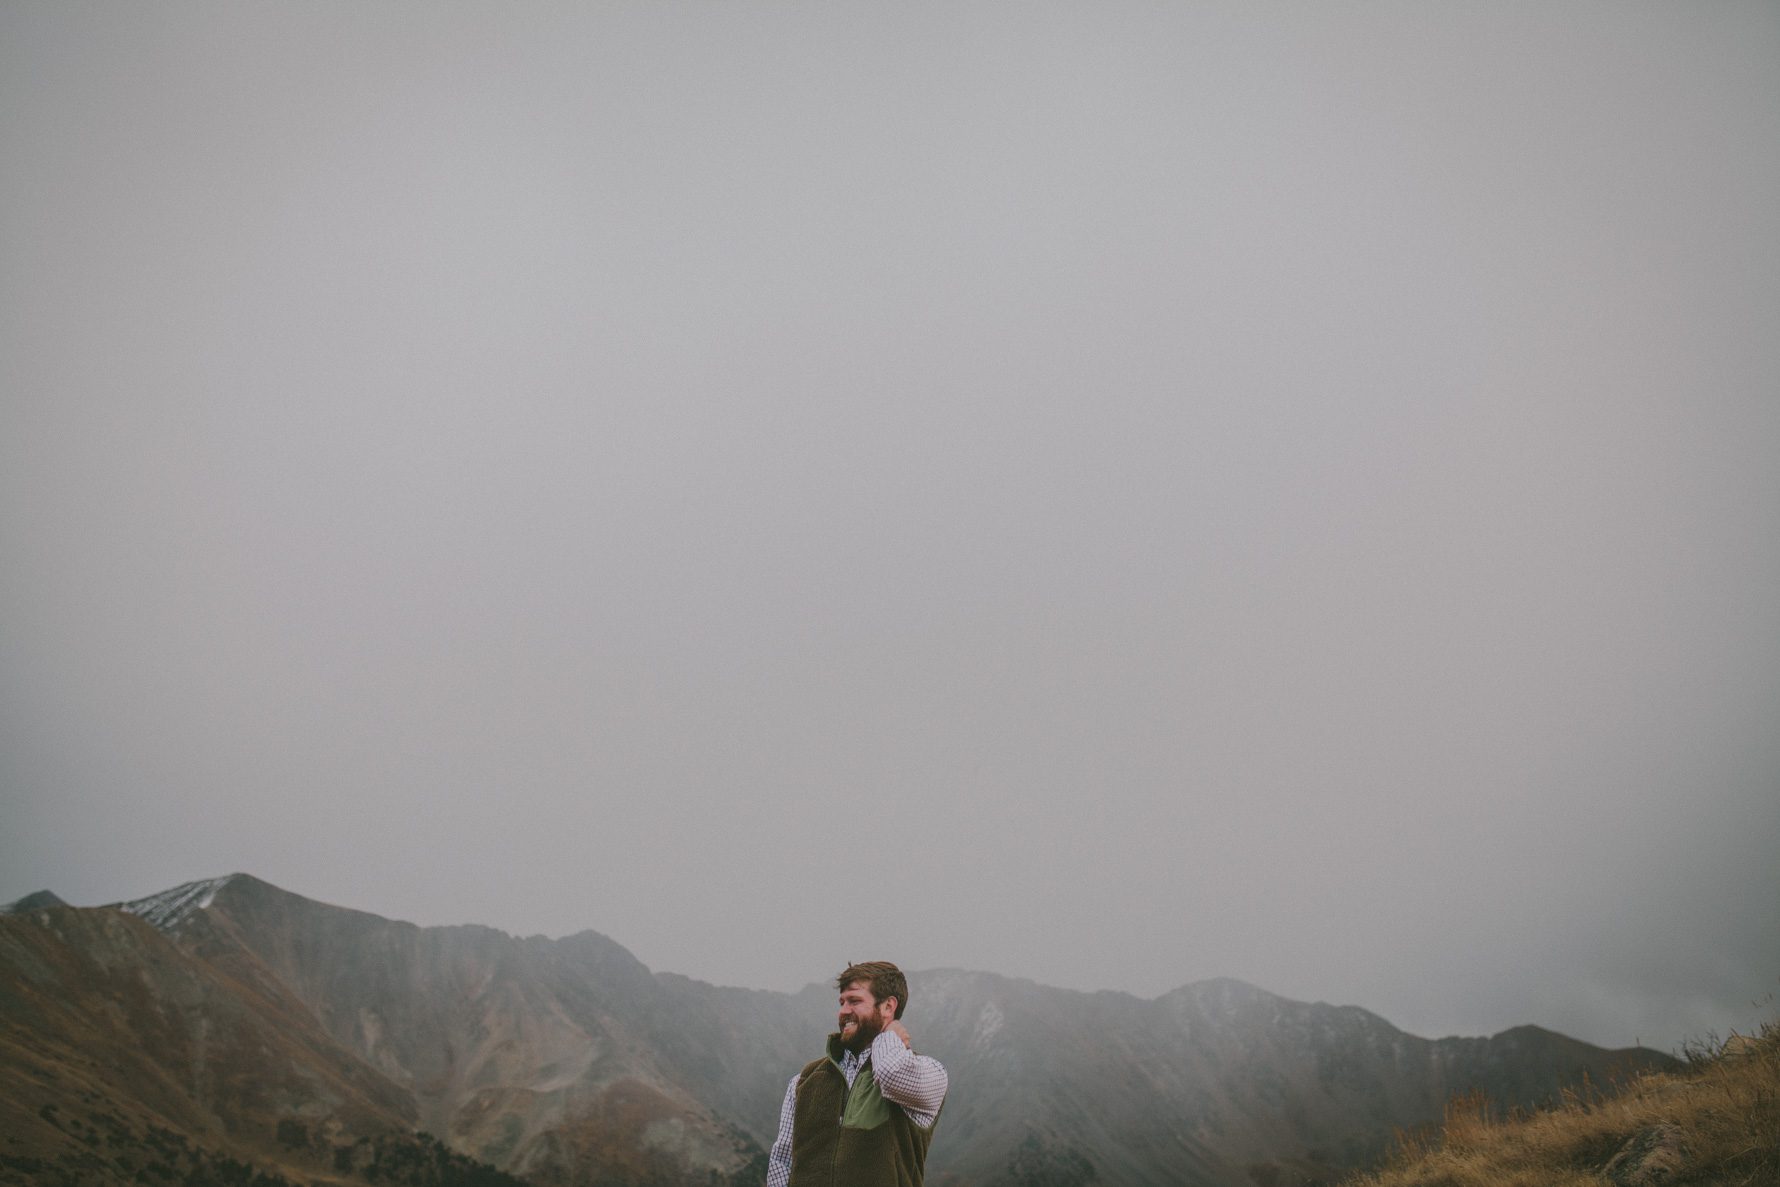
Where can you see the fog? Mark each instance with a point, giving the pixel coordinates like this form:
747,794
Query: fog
1112,494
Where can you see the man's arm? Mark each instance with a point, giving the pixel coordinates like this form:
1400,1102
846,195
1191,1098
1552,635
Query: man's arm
778,1161
916,1082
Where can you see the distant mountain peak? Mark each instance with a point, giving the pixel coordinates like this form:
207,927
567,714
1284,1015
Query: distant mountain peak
1230,987
168,909
38,901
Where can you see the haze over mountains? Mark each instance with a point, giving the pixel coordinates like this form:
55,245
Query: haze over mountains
239,1021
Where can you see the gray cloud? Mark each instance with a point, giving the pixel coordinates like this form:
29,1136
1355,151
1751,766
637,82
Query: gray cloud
1114,496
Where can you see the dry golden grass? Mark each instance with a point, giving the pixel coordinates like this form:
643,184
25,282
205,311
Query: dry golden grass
1716,1121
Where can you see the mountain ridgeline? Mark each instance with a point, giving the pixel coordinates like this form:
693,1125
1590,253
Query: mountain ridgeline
228,1029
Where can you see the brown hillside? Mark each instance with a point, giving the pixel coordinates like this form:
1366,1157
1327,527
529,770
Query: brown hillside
1715,1122
532,1055
113,1041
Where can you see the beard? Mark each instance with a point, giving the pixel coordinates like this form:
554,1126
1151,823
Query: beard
861,1036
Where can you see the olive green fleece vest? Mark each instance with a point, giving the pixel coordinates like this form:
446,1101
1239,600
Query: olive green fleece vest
852,1138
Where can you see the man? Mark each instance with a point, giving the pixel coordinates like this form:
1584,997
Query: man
861,1116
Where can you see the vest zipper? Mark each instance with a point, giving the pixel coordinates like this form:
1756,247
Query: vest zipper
834,1171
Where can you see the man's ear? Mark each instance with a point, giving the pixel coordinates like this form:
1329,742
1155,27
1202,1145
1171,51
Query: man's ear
895,1004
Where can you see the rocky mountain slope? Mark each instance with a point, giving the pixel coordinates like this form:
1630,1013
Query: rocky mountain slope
567,1061
122,1059
523,1053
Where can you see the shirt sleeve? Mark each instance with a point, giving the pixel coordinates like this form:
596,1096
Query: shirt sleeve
916,1082
778,1160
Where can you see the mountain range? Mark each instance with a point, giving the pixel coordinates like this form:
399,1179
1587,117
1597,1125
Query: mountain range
227,1029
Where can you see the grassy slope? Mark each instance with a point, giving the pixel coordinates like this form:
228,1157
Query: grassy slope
1717,1122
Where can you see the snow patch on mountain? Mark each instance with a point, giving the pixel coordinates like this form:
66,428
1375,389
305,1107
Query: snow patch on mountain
168,909
989,1023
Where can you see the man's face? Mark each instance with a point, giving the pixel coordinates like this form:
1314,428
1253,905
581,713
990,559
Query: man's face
862,1016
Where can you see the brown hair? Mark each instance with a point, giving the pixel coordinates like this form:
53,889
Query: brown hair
882,978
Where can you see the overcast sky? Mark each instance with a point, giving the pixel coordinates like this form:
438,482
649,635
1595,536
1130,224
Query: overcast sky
1115,494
